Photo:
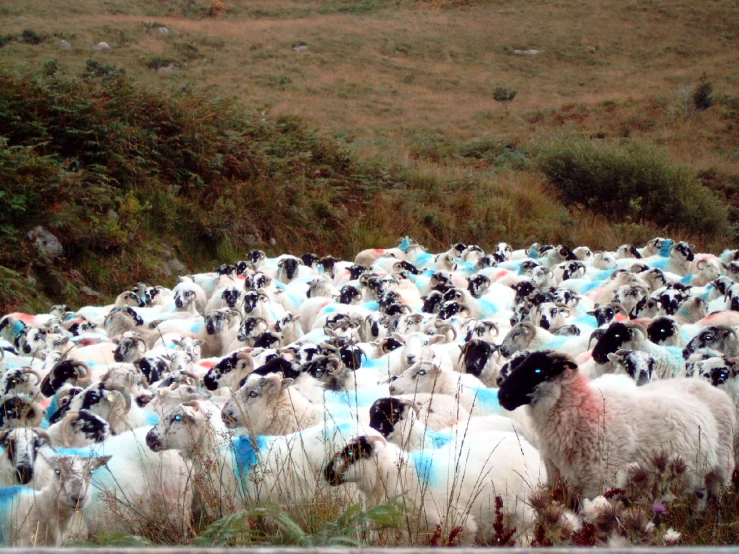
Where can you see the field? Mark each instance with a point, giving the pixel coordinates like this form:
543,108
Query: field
402,93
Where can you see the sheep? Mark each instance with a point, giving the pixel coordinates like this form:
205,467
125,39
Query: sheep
717,337
20,462
526,336
21,382
79,429
229,371
268,406
403,422
233,473
636,364
189,297
288,268
590,434
427,377
722,373
221,328
113,403
32,518
665,331
452,486
633,336
480,360
17,411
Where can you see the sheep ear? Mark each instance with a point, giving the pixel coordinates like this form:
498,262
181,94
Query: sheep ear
563,367
398,337
286,383
612,356
99,462
437,338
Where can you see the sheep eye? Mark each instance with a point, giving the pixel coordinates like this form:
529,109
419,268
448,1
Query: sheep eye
422,372
178,418
709,337
253,394
57,472
425,343
537,371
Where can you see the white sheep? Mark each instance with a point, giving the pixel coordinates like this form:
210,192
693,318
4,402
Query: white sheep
32,518
453,486
20,462
591,433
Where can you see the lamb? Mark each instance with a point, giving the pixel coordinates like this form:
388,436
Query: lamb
31,518
633,336
449,487
609,427
189,297
723,374
636,364
268,406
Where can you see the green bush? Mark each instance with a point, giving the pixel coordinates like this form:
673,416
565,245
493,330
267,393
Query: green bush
632,181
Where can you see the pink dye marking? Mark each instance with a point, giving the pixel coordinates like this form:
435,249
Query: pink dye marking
206,364
621,317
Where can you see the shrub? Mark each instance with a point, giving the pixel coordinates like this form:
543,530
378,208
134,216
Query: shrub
505,96
702,95
631,182
29,36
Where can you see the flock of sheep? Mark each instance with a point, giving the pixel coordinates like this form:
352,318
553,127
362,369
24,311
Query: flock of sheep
439,381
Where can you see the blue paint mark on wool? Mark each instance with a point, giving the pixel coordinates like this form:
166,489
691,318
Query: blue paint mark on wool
556,343
152,418
372,305
487,399
664,250
362,398
246,454
438,438
676,352
488,308
8,496
404,244
197,328
468,268
660,264
514,265
423,259
590,286
586,321
424,465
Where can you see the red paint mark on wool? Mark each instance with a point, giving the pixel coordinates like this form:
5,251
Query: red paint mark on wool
25,318
206,364
502,273
621,317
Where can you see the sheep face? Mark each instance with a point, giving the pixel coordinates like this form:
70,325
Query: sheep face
518,338
129,349
129,298
16,411
614,338
604,315
682,251
232,296
287,268
251,328
346,465
535,379
417,346
350,295
109,401
237,362
420,377
386,413
636,364
21,446
153,367
217,321
84,428
514,361
19,381
715,337
184,298
664,331
432,302
181,429
718,371
548,315
75,475
249,406
477,354
256,257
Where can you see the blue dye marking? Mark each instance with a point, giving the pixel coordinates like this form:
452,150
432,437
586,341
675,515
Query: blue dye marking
556,343
487,399
676,352
437,438
686,280
511,266
245,451
404,244
660,264
424,465
586,321
533,252
488,308
468,268
664,250
424,258
428,273
152,418
603,274
329,309
590,286
197,328
279,284
362,398
372,306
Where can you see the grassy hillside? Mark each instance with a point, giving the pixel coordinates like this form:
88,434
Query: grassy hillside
295,125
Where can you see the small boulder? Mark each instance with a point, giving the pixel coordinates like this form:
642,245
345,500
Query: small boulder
101,46
177,266
87,291
300,47
64,45
46,243
163,31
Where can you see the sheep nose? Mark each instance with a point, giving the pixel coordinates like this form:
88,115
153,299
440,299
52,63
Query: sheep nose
25,474
392,390
153,442
410,359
